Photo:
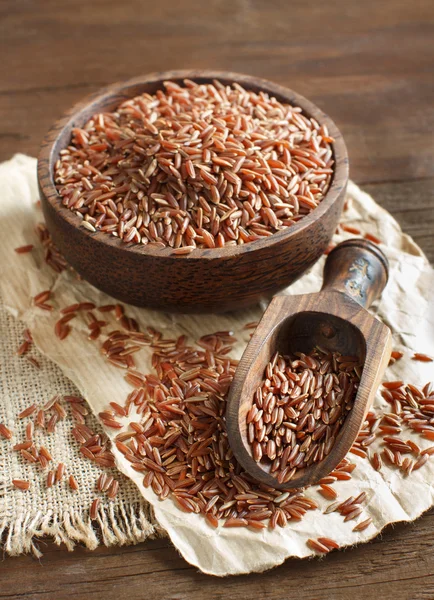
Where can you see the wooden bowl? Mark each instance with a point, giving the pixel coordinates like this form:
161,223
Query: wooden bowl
207,280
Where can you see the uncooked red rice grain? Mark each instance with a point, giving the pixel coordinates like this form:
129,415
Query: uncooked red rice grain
195,166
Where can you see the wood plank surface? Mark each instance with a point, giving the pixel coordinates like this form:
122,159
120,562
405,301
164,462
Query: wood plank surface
369,65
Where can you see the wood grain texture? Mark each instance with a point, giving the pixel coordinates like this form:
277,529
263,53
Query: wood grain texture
207,280
412,204
369,66
336,319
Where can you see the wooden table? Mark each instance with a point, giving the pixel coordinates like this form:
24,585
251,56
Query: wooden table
370,66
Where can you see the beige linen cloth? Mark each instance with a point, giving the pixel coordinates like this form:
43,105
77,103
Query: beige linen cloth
407,306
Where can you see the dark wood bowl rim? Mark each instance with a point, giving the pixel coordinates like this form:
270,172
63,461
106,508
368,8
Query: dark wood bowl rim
47,158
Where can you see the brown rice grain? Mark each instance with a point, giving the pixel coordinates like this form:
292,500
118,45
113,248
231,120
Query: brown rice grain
21,484
5,431
93,513
51,476
24,249
363,524
328,492
27,411
60,471
329,543
422,357
317,546
73,483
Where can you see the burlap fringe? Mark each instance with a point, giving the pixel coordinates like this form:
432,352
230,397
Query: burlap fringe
125,524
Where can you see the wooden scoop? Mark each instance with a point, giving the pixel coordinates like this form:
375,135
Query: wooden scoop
336,319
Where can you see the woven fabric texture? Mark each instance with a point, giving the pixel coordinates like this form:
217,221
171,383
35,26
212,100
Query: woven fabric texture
56,511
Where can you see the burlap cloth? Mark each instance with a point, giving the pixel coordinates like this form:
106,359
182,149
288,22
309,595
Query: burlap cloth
406,306
56,511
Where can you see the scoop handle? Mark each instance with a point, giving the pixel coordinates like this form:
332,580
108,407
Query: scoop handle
359,269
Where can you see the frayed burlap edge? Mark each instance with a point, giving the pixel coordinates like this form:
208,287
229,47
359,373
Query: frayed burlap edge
120,525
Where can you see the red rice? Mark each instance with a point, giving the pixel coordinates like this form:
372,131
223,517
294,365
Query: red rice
299,408
24,249
21,484
195,166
